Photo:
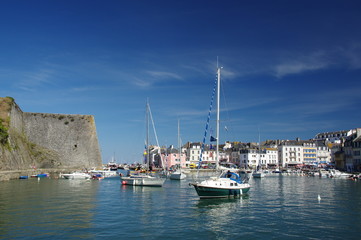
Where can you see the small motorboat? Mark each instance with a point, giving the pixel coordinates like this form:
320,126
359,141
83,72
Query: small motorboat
76,175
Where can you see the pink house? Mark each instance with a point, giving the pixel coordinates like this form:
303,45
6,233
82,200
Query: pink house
172,158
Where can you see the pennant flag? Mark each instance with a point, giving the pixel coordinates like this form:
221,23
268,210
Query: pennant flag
213,139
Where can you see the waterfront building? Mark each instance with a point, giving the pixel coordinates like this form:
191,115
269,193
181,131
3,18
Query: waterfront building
309,153
323,152
334,148
352,151
232,152
248,158
173,158
234,156
341,148
209,156
339,158
290,153
193,153
335,137
253,157
357,151
271,157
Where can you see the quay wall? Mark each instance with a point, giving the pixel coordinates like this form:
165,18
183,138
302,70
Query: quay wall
45,141
15,174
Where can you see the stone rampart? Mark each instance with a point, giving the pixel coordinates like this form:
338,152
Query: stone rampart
44,140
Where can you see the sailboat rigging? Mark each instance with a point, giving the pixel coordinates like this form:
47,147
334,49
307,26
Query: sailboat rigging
258,172
145,178
228,184
178,174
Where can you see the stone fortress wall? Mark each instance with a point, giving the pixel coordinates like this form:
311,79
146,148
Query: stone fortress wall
35,141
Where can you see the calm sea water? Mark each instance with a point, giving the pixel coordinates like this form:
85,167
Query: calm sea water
277,207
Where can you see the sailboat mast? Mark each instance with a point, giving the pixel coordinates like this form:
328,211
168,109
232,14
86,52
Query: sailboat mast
259,149
218,107
179,148
147,137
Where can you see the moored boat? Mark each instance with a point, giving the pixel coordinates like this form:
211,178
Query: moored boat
105,173
177,175
142,179
97,176
258,174
227,185
112,165
146,178
75,175
334,173
40,175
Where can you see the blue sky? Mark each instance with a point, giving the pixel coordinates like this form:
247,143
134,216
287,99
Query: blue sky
290,68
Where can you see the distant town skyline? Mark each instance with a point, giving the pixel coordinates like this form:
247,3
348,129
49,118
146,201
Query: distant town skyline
291,69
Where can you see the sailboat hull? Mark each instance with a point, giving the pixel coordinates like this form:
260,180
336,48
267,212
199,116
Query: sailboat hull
228,185
258,175
143,181
177,176
213,192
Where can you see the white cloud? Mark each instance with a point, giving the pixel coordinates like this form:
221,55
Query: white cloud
296,64
338,57
31,81
295,68
162,75
140,82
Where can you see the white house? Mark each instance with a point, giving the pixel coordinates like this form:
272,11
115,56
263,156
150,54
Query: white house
290,153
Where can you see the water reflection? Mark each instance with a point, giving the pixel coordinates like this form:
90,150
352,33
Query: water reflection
276,207
223,202
44,208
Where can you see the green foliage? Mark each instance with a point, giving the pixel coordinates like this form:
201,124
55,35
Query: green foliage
4,135
11,99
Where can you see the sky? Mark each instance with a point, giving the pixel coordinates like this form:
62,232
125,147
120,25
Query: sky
291,69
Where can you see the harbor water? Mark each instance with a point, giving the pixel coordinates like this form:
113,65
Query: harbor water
276,207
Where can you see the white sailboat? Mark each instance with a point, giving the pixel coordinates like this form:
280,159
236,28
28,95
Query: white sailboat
178,174
227,184
258,173
144,178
